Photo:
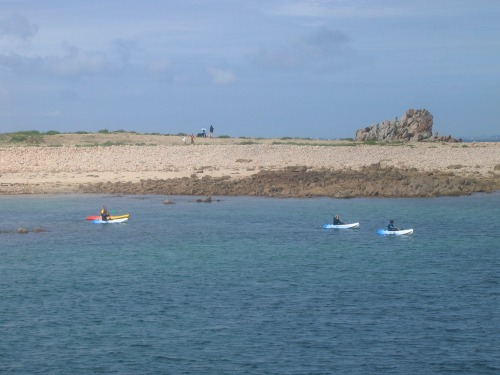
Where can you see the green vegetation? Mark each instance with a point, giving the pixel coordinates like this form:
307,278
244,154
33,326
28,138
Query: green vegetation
299,138
106,144
20,138
31,137
109,144
379,143
248,143
316,144
35,138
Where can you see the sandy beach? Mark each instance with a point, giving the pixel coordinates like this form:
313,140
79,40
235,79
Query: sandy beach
70,168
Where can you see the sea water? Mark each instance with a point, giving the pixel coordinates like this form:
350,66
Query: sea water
249,286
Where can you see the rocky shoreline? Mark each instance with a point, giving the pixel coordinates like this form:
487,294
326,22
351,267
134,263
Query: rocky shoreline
276,170
298,182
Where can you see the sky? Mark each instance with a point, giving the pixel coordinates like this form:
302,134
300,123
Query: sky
260,68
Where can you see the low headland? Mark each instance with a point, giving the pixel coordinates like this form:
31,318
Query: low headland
132,163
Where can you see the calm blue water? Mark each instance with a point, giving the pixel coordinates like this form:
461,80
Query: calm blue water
249,286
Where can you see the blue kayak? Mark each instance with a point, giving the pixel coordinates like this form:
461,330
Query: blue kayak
394,232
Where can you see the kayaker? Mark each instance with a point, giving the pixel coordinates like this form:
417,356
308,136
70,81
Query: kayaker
104,214
336,220
391,226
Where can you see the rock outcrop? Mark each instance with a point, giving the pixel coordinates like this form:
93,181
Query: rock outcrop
414,126
378,181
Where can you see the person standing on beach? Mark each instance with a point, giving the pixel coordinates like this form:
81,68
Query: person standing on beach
192,138
211,131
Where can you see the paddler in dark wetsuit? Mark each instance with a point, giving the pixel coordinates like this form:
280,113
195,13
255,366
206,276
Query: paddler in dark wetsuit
336,220
104,214
391,227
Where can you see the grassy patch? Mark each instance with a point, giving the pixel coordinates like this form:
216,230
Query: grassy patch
351,144
28,137
296,138
383,143
88,145
248,143
107,144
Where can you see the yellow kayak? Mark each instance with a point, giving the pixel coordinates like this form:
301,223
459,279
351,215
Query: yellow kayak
112,217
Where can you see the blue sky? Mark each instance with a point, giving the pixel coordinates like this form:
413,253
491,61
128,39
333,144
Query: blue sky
274,68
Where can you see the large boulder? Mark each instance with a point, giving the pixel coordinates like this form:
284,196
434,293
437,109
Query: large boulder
414,126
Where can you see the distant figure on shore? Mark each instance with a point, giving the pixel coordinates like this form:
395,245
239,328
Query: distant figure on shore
391,226
211,131
104,214
184,140
336,220
192,138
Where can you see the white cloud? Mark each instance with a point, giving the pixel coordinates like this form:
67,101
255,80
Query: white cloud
53,114
321,48
17,26
159,66
221,77
74,62
370,8
308,8
5,97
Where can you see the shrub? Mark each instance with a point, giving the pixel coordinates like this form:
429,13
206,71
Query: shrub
18,138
